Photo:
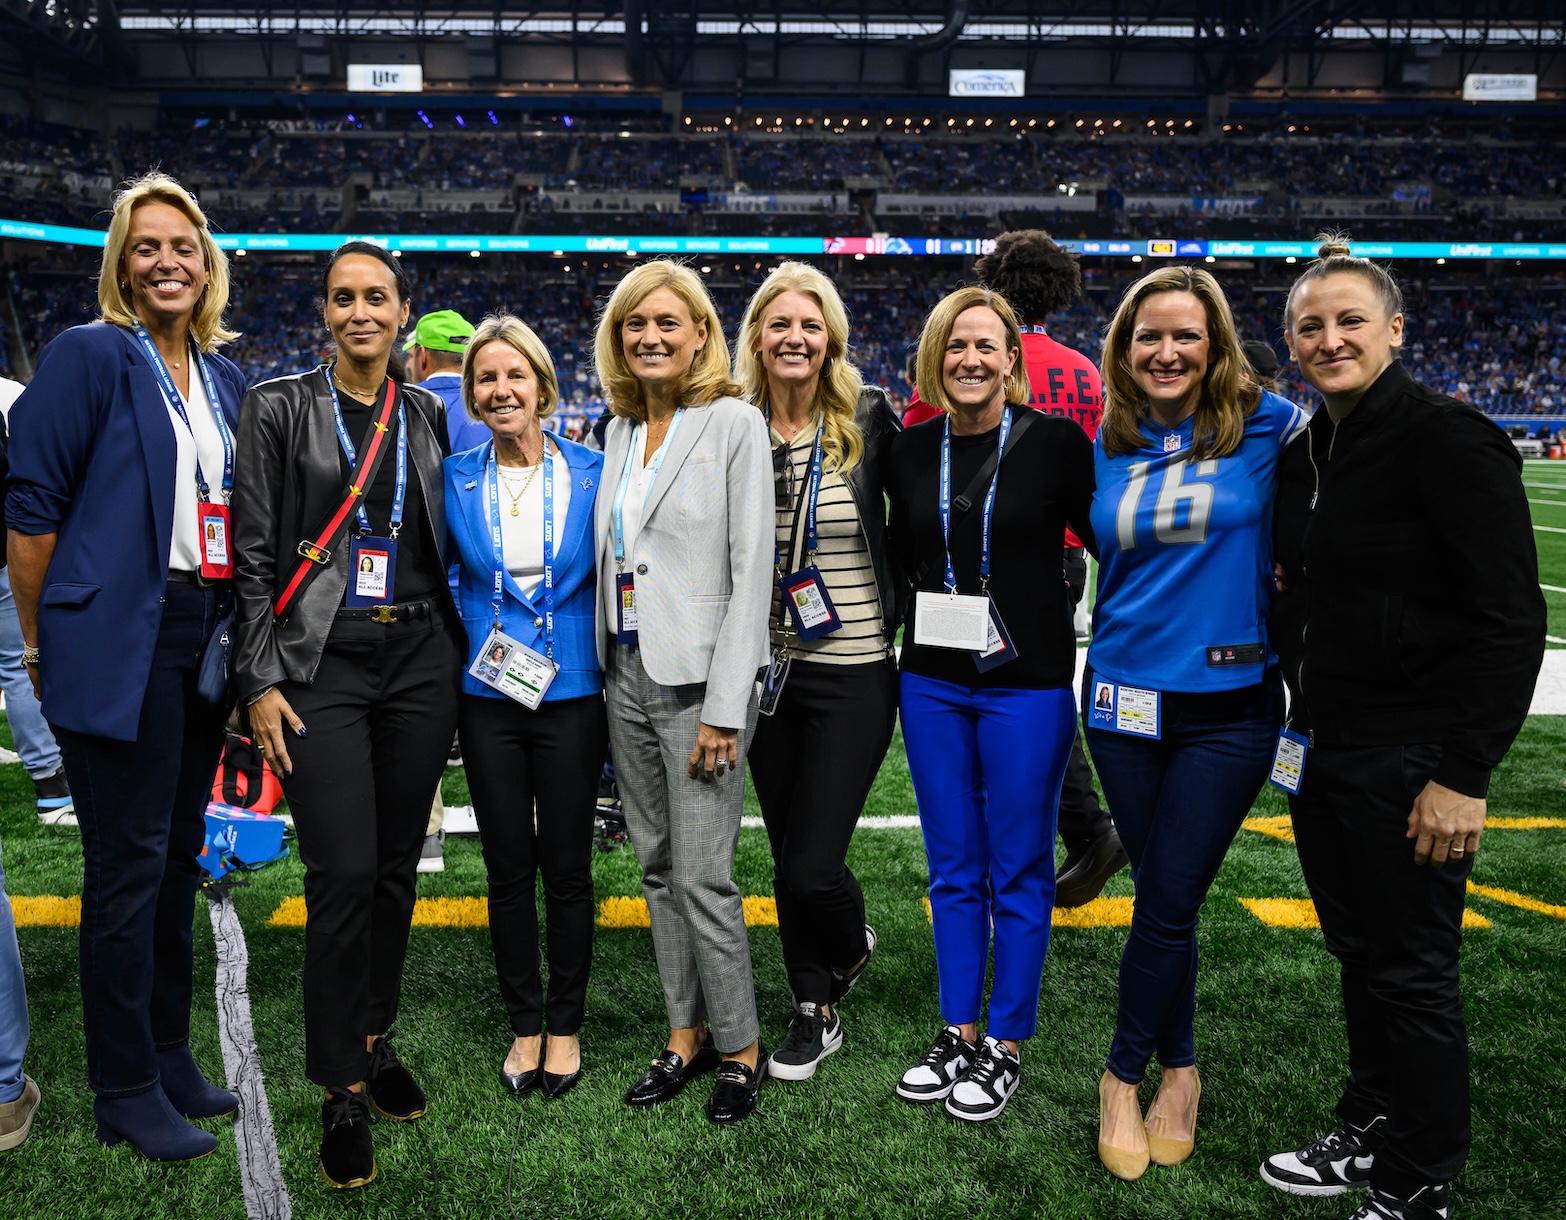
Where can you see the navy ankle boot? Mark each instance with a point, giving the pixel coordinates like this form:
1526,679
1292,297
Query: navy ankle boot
187,1089
149,1123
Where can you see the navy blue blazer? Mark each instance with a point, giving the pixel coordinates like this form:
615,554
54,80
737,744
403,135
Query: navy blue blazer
522,618
92,459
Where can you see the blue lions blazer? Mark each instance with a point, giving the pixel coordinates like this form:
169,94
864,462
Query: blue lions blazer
576,648
92,460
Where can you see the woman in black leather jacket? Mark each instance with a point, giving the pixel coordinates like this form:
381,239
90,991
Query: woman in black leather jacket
817,750
347,654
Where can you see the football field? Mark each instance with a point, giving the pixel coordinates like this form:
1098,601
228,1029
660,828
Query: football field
1269,1039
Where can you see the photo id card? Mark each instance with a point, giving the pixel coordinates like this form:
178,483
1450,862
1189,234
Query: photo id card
772,680
1123,709
625,607
216,561
514,669
999,649
1288,764
809,604
372,571
952,620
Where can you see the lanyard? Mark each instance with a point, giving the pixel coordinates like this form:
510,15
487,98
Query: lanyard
497,543
177,401
989,503
812,490
400,494
617,515
1032,330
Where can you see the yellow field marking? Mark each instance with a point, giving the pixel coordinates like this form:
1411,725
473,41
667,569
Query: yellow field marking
1282,828
1521,901
1301,913
1100,913
1276,828
290,913
1524,823
760,912
451,913
47,912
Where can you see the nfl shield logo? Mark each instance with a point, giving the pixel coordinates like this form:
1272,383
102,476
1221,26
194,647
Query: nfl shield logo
1171,443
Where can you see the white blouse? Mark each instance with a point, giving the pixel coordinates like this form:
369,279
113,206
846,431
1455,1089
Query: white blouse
522,536
203,438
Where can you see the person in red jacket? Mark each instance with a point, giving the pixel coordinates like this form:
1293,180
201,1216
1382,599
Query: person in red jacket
1039,278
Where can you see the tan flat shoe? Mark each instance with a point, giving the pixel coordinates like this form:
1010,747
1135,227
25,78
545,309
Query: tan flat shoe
1127,1164
1161,1147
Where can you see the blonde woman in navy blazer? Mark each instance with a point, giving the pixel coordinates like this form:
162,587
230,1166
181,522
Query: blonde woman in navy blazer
516,756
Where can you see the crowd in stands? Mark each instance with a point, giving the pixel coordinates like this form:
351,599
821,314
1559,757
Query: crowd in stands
805,164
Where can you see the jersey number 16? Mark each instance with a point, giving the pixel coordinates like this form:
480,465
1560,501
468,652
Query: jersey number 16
1172,492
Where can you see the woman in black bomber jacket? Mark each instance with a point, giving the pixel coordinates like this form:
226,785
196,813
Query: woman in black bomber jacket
1411,628
362,653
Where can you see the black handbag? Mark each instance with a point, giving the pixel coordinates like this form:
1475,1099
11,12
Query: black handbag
215,678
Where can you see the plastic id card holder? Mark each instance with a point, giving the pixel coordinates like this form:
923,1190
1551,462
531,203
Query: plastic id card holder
809,604
514,669
1288,764
773,679
372,571
1124,709
217,563
952,620
625,607
999,649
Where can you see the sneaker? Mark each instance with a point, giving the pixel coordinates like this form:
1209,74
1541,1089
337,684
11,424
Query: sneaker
432,858
984,1089
932,1078
347,1153
55,804
454,757
1333,1165
1428,1203
393,1092
16,1117
811,1038
842,984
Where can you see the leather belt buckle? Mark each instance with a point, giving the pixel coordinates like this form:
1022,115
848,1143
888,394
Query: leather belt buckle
383,614
315,554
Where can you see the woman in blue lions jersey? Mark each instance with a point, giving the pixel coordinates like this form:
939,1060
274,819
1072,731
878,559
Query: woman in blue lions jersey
1182,698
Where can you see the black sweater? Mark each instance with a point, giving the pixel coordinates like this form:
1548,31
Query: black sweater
1046,482
1412,611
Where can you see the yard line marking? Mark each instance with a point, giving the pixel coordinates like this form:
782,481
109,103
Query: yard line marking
1301,913
9,756
1554,639
1521,901
1549,529
1275,828
895,821
47,912
761,911
1523,823
1548,503
1099,913
1551,588
260,1168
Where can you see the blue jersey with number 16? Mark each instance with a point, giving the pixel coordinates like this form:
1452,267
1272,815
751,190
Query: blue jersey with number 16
1185,556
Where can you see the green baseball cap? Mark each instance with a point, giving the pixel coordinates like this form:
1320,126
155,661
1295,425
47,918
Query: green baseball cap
445,330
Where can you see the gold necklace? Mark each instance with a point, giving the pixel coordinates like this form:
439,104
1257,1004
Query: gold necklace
516,500
343,385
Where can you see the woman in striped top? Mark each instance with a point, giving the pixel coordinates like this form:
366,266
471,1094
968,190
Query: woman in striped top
830,700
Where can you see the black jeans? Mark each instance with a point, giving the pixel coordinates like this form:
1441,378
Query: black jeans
380,715
140,806
1395,928
534,780
813,762
1082,818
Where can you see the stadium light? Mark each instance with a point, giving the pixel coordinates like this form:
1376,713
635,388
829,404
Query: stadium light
492,118
461,124
241,252
1136,258
1211,259
473,253
1291,259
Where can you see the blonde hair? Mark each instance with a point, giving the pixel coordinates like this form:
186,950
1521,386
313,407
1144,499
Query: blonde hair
1229,390
510,329
938,329
114,302
837,388
708,377
1334,256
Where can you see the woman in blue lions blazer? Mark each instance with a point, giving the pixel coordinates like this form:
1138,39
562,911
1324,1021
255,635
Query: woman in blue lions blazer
520,514
121,468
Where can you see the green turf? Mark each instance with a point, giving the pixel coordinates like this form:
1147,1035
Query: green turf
1546,488
1268,1033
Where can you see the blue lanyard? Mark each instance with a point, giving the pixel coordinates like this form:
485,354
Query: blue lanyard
617,515
177,401
989,503
812,491
497,542
400,494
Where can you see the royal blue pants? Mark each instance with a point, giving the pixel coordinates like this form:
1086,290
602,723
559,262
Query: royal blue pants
1177,803
987,767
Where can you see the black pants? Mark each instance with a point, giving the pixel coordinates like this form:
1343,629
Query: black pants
140,807
1395,928
534,780
813,762
380,715
1082,818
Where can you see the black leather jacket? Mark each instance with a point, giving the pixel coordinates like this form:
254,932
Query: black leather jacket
287,478
878,423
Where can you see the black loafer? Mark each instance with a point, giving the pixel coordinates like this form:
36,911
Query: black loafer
394,1094
521,1082
554,1085
667,1076
734,1095
1086,870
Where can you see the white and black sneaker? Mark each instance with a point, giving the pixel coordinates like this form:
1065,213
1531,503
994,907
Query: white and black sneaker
1428,1203
932,1078
983,1091
1333,1165
811,1038
842,984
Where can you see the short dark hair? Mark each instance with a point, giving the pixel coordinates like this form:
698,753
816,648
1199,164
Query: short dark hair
1035,275
394,265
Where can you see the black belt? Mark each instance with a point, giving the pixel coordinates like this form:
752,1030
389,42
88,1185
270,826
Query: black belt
180,576
399,613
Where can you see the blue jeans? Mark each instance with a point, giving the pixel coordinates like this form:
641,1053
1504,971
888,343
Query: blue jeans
1177,803
13,1004
987,767
34,742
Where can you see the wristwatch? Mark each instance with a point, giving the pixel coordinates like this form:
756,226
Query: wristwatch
29,656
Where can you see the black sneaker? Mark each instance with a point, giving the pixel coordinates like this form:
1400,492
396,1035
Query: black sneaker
393,1092
454,756
56,807
984,1089
1428,1203
932,1078
432,856
1333,1165
811,1038
347,1153
842,984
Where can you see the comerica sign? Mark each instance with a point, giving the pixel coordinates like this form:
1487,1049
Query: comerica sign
385,78
987,82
